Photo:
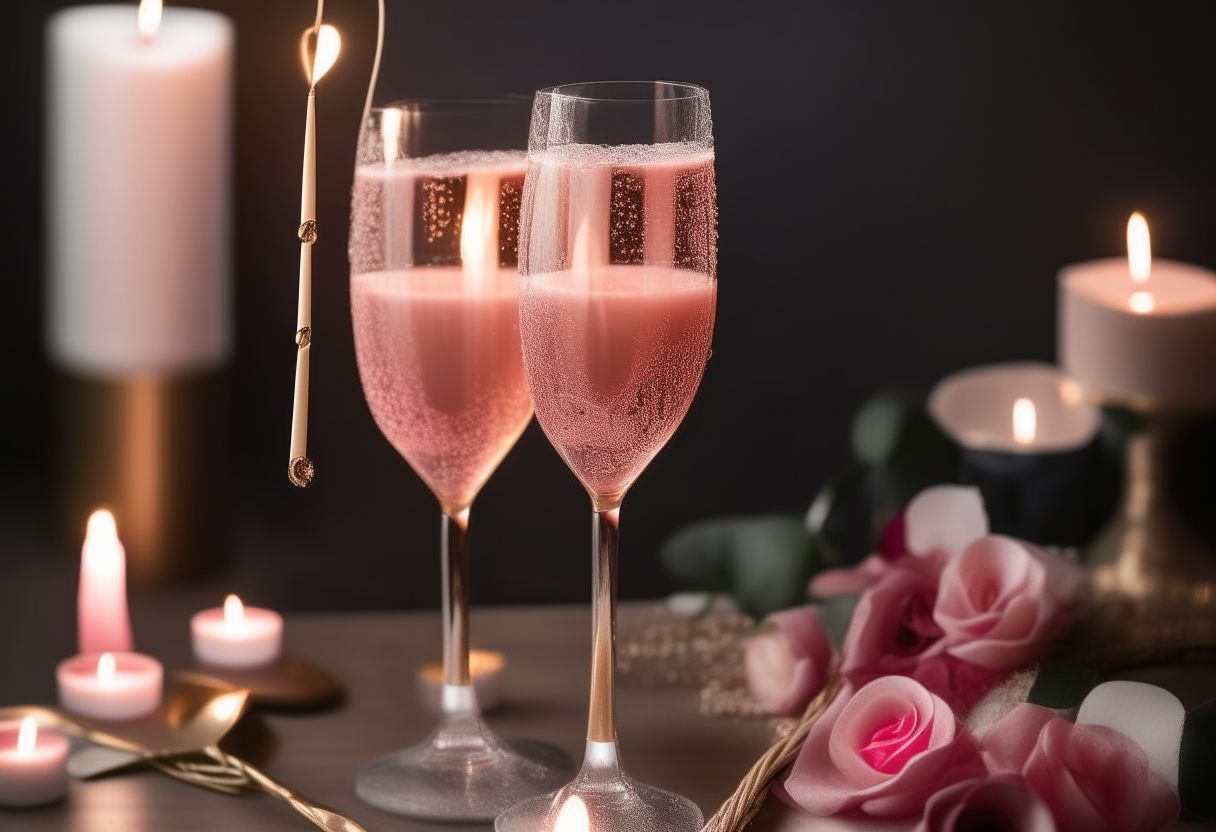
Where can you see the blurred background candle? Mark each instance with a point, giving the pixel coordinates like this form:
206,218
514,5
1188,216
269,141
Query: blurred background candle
236,636
1140,330
113,687
139,320
485,669
33,764
102,620
1029,440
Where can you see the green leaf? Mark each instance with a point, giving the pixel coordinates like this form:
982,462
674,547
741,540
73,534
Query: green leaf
1062,685
763,562
1197,762
836,614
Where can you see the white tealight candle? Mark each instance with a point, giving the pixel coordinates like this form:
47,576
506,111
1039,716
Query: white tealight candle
33,764
110,686
1139,329
236,636
485,669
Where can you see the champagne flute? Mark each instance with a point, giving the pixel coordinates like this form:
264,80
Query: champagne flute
434,297
617,295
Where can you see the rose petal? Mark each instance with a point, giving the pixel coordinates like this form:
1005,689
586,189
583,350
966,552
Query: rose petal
832,582
945,517
1065,580
1001,802
788,665
1150,715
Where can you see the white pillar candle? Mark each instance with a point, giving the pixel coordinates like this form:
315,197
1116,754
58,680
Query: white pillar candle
139,166
236,636
1017,408
33,764
102,621
110,686
1140,331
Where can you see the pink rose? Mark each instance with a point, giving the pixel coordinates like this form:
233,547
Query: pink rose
937,523
892,627
893,632
1004,802
788,663
1093,778
995,607
882,751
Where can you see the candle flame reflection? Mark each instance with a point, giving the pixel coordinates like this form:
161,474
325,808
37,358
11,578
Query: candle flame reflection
1139,249
573,816
148,19
390,132
1025,421
1142,302
234,611
225,707
106,667
27,737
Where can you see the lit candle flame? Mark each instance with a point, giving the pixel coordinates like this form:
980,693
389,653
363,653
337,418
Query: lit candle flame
573,816
234,611
101,526
329,43
107,667
148,19
1139,250
1142,302
27,737
1025,421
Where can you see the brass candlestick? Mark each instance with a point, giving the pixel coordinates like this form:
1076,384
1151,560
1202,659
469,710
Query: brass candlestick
1153,579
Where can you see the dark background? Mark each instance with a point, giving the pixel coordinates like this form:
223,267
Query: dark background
898,184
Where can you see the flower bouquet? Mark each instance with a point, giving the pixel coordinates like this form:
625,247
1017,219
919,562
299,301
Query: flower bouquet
925,719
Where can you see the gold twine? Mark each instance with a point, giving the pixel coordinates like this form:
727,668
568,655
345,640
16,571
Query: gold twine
741,807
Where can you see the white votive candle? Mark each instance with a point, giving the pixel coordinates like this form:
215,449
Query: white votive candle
236,636
485,669
33,764
110,686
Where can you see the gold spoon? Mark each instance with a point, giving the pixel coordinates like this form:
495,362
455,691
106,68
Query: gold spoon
181,739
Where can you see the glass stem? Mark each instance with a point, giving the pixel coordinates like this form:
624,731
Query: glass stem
455,535
605,534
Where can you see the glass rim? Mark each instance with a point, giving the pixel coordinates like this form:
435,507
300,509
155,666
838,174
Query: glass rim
688,91
454,106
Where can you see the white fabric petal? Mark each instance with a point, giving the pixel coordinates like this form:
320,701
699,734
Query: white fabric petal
945,518
1150,715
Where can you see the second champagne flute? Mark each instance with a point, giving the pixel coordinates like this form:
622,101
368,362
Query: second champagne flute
617,295
434,297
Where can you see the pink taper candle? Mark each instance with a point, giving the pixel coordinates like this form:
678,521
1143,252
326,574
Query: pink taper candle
101,605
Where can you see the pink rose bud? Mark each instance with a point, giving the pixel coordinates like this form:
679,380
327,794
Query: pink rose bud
788,663
995,607
884,751
1005,803
1093,778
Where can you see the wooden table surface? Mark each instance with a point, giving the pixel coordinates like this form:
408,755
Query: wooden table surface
664,741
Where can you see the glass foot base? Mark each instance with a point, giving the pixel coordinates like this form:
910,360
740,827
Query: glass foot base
462,772
603,798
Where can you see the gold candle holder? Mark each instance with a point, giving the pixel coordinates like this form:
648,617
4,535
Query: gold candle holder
1153,580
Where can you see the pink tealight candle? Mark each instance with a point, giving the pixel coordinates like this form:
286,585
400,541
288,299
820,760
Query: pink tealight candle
236,636
110,686
33,764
